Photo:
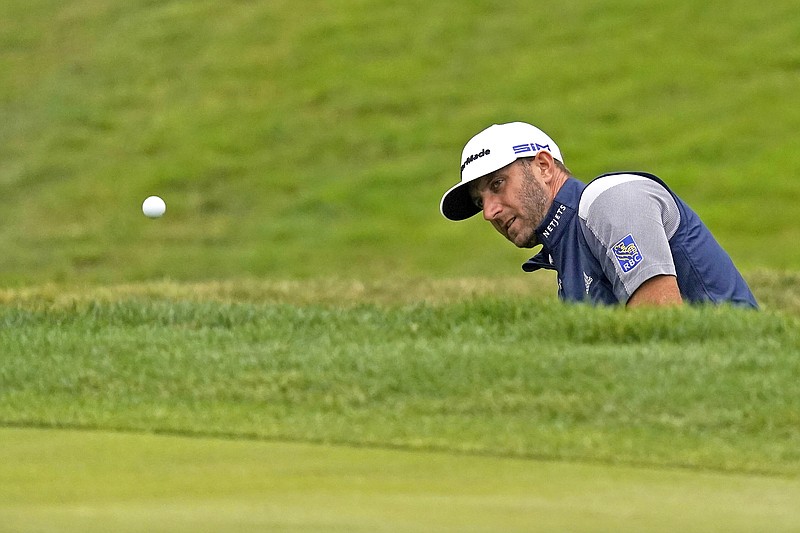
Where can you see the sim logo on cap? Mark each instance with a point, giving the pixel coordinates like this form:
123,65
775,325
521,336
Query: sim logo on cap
532,147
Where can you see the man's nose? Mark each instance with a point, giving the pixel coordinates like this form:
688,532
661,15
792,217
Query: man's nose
491,208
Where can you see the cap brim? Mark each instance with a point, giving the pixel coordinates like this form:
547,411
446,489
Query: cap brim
457,204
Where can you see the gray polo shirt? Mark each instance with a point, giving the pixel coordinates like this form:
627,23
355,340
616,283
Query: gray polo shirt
606,238
616,210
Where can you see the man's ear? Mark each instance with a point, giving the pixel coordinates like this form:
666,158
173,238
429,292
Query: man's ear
546,164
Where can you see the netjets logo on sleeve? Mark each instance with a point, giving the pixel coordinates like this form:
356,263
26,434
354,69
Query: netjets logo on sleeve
627,253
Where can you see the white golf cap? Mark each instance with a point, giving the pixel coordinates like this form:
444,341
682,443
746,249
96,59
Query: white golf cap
490,150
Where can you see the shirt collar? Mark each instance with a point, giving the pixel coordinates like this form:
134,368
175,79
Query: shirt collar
549,232
564,207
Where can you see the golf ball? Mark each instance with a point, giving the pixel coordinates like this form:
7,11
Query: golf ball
153,207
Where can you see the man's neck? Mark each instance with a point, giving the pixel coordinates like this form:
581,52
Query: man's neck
558,181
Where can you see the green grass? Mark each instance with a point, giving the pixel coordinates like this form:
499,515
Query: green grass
700,388
124,482
300,141
302,286
465,405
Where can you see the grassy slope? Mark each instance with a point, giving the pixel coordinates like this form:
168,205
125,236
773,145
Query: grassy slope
317,140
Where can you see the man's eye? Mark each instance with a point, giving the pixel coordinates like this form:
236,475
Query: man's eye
478,202
495,186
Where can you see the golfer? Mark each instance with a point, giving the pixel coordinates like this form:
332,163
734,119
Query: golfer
623,238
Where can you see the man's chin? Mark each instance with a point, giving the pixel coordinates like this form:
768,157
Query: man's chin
525,241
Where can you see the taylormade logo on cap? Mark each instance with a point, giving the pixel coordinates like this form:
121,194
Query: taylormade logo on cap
490,150
472,158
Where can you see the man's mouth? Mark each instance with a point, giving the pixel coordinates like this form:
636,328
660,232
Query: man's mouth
508,224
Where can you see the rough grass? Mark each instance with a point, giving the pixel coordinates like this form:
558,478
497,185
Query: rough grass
774,289
697,387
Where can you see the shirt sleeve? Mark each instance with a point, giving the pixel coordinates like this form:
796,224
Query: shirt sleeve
628,221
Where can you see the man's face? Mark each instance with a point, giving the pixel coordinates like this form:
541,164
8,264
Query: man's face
515,200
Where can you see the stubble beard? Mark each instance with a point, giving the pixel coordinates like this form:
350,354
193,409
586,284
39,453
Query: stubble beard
534,204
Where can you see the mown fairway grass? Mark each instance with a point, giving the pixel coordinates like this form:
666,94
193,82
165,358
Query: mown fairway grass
98,482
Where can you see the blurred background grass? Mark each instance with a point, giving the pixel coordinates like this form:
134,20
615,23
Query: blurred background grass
314,139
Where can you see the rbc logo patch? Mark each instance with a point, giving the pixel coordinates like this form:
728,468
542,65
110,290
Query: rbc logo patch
627,253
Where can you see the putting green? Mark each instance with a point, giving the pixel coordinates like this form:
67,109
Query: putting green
64,480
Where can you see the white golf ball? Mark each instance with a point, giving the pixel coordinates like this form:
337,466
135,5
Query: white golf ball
153,207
